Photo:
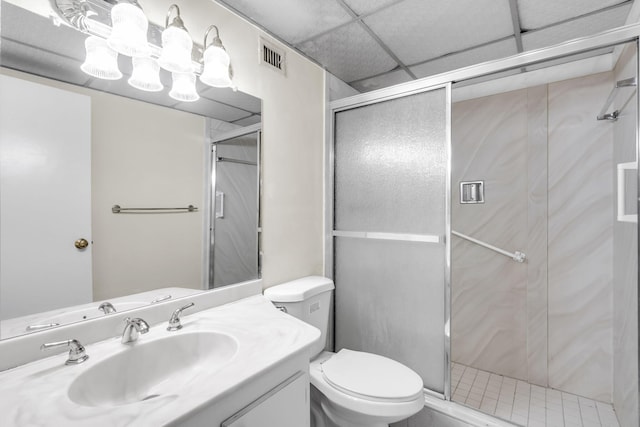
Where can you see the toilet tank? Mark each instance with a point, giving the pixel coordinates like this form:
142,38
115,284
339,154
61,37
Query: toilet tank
307,299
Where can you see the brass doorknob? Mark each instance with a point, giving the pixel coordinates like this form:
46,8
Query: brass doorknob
81,243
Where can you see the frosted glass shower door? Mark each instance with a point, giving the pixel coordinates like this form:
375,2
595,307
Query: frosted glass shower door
391,225
234,251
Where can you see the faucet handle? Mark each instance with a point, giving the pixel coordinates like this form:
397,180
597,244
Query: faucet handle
77,353
174,321
107,308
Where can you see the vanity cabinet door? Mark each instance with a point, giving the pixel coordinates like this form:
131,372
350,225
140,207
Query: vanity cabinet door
286,405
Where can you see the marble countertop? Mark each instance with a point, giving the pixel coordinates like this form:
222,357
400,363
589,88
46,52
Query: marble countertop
35,394
62,316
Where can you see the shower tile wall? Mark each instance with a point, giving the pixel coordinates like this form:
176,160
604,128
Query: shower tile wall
544,196
580,235
625,272
489,292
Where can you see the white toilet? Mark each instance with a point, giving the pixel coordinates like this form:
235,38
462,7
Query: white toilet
350,388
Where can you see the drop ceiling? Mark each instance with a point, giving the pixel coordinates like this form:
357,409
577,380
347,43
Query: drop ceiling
371,44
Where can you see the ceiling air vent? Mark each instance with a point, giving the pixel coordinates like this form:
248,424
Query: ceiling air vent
272,57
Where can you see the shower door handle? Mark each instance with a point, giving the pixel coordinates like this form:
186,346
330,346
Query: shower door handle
220,205
622,190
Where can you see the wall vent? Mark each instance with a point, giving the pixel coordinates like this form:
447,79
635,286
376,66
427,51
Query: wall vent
273,57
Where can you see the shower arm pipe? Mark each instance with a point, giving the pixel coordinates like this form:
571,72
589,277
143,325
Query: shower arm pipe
630,82
516,256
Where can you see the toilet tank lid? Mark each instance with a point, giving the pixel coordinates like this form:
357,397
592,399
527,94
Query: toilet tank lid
299,289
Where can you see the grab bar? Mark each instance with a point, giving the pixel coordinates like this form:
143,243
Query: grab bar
118,209
620,84
230,160
516,256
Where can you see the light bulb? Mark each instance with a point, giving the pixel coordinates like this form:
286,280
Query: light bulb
184,87
176,50
129,30
216,67
146,75
101,61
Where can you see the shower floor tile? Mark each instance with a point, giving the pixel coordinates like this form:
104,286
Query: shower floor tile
526,404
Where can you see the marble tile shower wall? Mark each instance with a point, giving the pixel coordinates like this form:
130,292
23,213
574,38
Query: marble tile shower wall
548,172
625,271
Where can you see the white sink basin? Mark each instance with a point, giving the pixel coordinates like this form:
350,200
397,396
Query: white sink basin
146,370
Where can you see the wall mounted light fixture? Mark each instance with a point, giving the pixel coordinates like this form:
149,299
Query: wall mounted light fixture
216,62
176,45
124,28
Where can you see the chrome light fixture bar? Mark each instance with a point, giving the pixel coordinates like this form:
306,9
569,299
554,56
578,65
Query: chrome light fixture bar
121,27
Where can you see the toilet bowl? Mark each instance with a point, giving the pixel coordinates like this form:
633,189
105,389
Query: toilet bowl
349,388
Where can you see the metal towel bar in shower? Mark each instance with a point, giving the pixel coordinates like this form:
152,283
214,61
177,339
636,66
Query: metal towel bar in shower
516,256
230,160
620,84
118,209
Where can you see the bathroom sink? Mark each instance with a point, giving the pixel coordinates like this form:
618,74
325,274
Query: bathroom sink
146,370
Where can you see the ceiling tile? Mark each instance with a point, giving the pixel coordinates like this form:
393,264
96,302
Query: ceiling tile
237,99
350,53
42,63
207,107
582,27
293,20
121,87
417,30
469,57
384,80
251,120
539,13
362,7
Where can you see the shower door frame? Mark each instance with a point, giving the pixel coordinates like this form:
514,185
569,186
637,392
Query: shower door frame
618,36
329,206
210,189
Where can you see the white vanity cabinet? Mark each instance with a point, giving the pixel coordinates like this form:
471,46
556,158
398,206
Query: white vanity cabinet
286,405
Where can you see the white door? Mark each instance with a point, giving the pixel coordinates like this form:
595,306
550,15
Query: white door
45,198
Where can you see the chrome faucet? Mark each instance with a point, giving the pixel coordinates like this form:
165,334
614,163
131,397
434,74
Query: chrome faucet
77,353
133,328
107,308
174,322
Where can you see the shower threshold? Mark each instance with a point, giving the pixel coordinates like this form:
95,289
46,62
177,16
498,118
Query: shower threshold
525,404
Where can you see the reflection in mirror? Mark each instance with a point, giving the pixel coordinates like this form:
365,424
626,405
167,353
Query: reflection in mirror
73,146
234,252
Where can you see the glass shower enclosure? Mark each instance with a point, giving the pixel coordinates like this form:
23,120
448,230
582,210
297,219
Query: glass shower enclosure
388,191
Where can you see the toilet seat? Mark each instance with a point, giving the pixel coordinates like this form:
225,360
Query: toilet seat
345,401
372,377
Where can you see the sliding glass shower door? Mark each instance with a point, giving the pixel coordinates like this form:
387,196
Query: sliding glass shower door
390,230
235,190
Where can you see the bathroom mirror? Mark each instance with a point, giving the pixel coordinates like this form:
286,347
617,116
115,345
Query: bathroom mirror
84,152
